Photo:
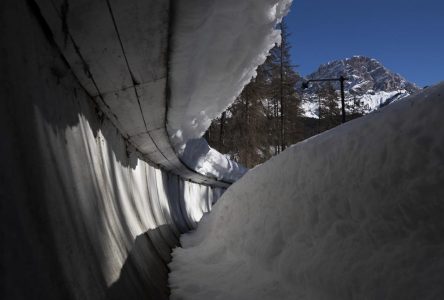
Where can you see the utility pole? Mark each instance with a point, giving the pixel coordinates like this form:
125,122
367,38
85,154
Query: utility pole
319,114
341,79
282,96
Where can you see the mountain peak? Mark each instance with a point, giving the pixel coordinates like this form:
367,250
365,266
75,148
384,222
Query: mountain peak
368,81
364,73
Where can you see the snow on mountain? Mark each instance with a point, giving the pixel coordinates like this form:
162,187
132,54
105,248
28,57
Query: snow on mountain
368,83
353,213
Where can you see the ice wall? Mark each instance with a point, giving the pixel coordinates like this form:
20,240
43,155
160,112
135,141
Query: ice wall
82,215
353,213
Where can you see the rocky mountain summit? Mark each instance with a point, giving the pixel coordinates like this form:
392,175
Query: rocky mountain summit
368,83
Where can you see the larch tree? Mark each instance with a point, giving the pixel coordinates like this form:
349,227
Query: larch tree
265,118
330,113
286,102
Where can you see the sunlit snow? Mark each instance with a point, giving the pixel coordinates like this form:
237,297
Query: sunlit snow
216,48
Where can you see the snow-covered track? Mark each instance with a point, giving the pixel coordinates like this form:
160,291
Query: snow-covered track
93,195
119,52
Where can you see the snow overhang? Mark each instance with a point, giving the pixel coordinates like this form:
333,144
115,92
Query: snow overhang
217,47
119,52
145,66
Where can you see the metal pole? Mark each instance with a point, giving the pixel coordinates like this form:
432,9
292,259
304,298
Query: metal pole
221,129
282,96
342,79
319,114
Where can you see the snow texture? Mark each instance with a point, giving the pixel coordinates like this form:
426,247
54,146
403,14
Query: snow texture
216,48
353,213
207,161
370,101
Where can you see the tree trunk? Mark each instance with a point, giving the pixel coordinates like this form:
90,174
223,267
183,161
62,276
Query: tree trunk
221,130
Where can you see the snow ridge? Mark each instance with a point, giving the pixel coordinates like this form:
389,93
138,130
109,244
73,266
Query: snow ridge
352,213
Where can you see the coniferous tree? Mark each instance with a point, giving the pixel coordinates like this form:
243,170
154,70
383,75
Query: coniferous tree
249,124
287,103
330,113
244,125
265,118
355,108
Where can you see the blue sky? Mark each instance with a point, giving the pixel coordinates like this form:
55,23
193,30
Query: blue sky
406,36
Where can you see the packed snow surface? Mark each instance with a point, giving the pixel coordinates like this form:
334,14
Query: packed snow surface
207,161
353,213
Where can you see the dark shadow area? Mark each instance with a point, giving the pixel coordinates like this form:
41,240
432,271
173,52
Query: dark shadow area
174,186
144,274
51,72
59,211
70,187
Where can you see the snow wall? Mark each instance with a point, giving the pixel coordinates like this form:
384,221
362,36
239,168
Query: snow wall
82,215
354,213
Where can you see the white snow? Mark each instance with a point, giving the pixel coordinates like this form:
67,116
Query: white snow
310,107
216,48
207,161
353,213
374,101
371,101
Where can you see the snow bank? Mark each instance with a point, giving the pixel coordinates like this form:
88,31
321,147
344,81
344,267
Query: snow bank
353,213
199,156
216,48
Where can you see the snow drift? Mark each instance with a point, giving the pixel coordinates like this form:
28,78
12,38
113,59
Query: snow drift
216,48
199,156
353,213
